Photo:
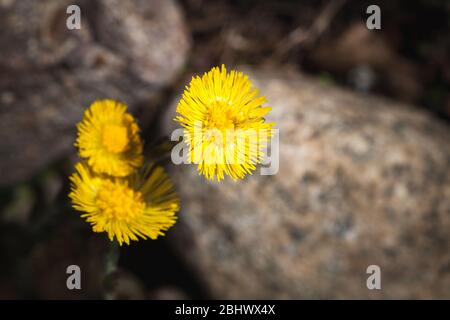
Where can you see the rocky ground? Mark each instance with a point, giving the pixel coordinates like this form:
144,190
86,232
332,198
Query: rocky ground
362,181
363,164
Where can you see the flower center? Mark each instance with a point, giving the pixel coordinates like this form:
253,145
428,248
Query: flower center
220,116
117,200
115,138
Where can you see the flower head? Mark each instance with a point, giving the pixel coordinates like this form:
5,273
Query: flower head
224,125
140,205
108,137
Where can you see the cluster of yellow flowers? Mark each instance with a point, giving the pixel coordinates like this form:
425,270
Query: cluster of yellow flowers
224,128
117,194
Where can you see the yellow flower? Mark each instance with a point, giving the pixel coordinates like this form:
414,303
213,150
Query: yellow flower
140,205
224,124
108,137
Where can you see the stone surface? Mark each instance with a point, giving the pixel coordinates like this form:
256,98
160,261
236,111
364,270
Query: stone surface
122,285
125,50
362,181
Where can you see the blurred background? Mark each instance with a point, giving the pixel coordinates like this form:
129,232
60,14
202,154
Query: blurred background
364,153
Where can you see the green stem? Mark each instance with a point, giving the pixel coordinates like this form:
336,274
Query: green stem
112,258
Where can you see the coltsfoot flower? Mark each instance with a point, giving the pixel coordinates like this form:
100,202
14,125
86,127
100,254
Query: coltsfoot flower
223,119
142,205
108,137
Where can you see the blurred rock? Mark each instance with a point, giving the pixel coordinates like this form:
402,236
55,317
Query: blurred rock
121,285
362,181
125,50
168,293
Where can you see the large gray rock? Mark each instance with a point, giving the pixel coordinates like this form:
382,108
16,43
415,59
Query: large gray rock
125,50
362,181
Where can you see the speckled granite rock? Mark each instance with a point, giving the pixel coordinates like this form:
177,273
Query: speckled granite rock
125,50
362,181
